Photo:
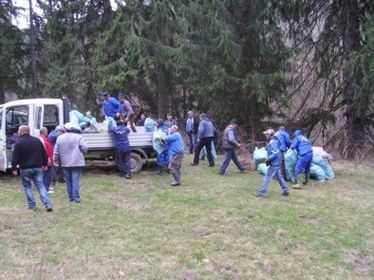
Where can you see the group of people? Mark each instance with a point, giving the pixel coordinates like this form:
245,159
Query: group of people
60,154
39,160
277,144
200,132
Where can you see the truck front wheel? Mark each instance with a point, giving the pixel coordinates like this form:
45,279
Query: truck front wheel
136,163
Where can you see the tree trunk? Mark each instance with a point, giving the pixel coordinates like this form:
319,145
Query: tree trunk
107,14
162,94
33,55
2,92
351,44
253,120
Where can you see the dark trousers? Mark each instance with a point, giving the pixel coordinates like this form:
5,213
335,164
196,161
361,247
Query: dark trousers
175,167
230,155
123,161
47,177
132,124
207,143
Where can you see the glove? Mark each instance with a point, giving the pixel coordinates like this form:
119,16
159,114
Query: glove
267,162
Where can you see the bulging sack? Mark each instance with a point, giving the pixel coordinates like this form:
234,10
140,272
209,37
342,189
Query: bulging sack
262,168
157,144
324,164
290,160
259,155
317,173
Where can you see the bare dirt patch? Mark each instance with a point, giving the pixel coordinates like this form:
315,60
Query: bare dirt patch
189,276
312,219
362,264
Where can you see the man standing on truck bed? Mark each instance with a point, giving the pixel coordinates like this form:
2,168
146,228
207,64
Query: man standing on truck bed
30,155
111,106
70,150
126,113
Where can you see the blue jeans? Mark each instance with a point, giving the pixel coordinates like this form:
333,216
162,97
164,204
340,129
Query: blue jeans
34,174
191,141
303,164
230,155
47,177
273,172
73,182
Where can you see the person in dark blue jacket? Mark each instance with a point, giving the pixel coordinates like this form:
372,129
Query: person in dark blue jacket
121,147
305,155
205,138
111,106
273,161
284,144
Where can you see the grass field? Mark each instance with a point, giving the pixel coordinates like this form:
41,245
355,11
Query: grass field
211,227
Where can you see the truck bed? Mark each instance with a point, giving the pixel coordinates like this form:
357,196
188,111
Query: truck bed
104,141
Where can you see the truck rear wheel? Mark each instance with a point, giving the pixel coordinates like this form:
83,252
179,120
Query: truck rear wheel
136,163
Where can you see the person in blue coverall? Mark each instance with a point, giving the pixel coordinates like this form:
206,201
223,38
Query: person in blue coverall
284,144
273,161
163,157
121,147
111,106
305,155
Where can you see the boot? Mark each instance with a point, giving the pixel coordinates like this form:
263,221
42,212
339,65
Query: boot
160,171
306,179
298,181
177,179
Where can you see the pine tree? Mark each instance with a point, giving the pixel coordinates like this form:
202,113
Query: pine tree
11,51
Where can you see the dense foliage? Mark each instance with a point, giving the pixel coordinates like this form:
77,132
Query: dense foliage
306,64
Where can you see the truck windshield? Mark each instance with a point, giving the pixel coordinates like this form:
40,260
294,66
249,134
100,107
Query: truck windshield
16,116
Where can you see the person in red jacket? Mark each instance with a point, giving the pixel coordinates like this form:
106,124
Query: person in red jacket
47,174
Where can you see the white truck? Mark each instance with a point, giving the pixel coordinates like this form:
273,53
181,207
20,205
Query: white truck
50,112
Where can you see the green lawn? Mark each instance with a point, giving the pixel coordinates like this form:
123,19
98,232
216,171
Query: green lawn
211,227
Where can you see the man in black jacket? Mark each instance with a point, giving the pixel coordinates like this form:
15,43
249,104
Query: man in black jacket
229,143
30,155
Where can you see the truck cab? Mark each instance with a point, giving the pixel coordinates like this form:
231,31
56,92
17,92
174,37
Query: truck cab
34,112
50,112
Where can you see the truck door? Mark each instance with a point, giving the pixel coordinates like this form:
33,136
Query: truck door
3,163
12,118
38,120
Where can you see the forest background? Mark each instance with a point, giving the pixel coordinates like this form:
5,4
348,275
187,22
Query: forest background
300,63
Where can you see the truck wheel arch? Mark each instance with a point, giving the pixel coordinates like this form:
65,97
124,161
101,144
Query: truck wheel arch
137,158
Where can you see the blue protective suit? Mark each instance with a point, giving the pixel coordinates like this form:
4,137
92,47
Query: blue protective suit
301,144
284,140
120,137
163,158
111,107
305,153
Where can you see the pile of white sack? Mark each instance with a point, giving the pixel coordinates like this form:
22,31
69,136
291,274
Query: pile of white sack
320,169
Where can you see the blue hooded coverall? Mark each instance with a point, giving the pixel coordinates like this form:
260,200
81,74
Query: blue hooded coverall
305,153
163,158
